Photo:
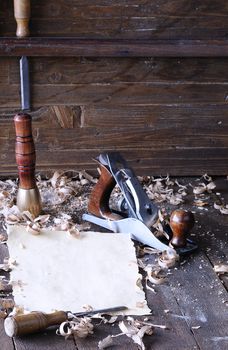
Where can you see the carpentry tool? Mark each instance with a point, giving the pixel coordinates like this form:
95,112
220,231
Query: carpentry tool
22,17
137,213
38,321
28,196
22,12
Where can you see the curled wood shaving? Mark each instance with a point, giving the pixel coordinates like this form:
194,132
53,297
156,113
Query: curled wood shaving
200,203
87,307
195,327
221,268
13,219
135,331
105,343
79,327
3,314
5,285
155,274
109,319
168,259
150,288
6,303
33,228
223,208
202,188
8,264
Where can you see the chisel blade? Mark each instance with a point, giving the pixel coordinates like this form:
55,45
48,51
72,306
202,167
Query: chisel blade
24,78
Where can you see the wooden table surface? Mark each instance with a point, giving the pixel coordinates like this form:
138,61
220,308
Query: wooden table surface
194,294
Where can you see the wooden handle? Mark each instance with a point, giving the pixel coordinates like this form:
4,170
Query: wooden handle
22,16
181,222
99,198
32,323
25,151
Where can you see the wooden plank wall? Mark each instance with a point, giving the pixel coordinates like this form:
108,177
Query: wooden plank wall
166,115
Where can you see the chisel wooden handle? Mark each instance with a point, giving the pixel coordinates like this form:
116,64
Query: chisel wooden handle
25,151
32,323
22,16
181,222
28,196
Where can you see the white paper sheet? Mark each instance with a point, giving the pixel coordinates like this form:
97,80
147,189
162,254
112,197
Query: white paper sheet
55,271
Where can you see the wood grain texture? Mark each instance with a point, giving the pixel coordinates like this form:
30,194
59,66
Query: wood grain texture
188,287
166,115
68,47
124,19
154,139
81,70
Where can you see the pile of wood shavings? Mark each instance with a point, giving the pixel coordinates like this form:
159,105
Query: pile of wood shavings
64,199
130,327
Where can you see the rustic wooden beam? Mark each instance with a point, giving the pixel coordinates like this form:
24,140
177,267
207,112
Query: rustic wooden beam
69,47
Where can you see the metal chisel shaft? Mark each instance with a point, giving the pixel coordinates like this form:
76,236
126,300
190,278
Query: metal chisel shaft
25,85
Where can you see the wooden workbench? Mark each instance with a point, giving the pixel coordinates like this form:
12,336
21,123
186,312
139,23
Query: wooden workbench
195,296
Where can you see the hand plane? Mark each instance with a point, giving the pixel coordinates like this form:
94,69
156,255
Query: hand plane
137,213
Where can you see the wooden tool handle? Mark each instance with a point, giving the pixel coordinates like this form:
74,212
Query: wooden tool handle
32,323
25,151
22,16
99,198
181,222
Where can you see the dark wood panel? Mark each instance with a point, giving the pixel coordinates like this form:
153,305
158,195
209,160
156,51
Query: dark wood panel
156,139
203,117
116,93
144,161
113,48
138,19
106,70
135,8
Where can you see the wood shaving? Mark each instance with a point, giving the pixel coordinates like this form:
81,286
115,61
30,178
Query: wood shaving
8,264
33,228
168,259
6,303
195,327
3,314
202,188
135,331
79,327
105,343
200,203
221,269
5,286
150,288
155,274
223,208
87,307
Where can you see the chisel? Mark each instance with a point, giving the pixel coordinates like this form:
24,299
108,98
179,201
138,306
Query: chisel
38,321
22,17
28,196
